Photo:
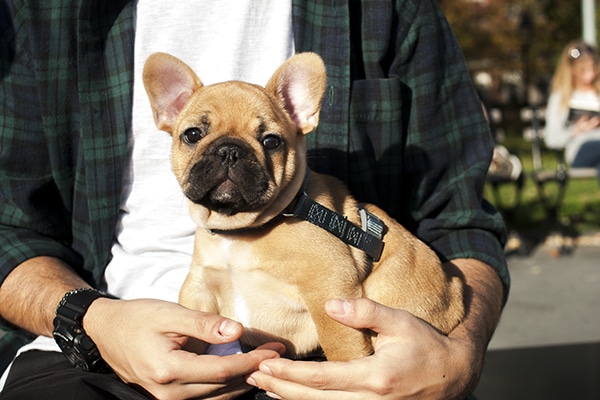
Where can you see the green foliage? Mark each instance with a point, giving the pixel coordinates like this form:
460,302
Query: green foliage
523,37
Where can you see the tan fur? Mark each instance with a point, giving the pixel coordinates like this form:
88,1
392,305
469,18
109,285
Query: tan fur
276,277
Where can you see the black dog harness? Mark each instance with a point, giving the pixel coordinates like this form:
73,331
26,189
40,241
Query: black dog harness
368,238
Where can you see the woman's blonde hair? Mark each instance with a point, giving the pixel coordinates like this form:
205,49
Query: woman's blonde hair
562,81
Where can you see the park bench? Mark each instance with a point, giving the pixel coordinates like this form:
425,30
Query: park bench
511,174
559,173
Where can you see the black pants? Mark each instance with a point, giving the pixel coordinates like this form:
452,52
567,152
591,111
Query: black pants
48,375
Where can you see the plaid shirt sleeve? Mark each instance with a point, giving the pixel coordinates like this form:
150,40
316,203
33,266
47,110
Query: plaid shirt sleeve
65,107
414,139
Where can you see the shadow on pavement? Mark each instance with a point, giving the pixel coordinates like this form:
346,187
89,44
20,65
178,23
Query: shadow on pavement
542,373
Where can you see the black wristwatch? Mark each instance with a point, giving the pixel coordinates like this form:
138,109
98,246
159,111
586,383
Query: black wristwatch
75,344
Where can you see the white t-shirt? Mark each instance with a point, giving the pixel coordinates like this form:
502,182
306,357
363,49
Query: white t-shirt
220,40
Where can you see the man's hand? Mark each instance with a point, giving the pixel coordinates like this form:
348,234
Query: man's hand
143,340
411,360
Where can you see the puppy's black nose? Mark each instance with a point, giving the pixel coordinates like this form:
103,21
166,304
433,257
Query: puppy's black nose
229,154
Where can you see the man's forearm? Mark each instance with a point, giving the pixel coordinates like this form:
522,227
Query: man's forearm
483,298
30,294
483,294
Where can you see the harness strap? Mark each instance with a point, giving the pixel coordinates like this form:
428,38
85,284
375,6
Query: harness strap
368,238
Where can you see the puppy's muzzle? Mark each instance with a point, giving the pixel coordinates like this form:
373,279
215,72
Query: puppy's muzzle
228,178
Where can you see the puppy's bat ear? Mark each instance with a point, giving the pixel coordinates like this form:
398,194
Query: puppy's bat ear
299,86
169,83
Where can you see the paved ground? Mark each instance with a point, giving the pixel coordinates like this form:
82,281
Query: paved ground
547,345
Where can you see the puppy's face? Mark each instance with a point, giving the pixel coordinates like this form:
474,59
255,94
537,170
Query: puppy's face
233,153
238,149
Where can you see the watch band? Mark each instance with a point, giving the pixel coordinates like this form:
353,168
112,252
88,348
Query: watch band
75,344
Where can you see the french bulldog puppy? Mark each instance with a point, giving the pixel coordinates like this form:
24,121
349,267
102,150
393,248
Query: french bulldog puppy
275,241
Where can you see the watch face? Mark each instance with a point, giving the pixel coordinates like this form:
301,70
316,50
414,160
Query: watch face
68,333
66,342
79,348
76,358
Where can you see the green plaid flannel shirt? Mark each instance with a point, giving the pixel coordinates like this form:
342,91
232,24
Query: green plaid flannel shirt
400,123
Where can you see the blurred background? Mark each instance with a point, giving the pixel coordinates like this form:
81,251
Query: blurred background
547,345
512,48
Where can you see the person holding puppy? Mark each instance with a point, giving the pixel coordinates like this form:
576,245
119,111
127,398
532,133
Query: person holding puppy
89,203
573,111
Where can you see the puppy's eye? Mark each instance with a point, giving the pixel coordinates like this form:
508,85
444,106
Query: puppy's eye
271,142
192,135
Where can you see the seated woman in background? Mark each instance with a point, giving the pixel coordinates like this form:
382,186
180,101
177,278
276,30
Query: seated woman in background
573,111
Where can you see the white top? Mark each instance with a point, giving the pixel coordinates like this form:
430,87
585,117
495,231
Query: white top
220,40
558,134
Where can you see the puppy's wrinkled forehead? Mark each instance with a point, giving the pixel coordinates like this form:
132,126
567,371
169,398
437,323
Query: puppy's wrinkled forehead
234,108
